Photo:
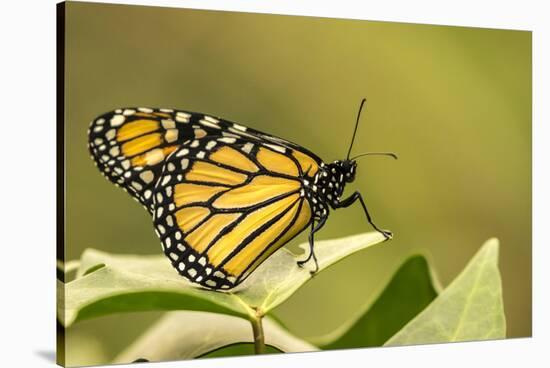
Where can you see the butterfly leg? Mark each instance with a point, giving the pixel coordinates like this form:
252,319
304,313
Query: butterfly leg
357,196
314,229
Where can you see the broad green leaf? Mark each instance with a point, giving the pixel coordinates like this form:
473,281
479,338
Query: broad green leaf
187,335
130,283
470,308
409,291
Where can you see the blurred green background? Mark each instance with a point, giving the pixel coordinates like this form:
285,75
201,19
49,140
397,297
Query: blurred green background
454,103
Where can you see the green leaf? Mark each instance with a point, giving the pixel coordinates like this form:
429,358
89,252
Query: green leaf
187,335
470,308
409,291
129,283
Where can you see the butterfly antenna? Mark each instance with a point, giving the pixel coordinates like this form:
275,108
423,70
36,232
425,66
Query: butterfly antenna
356,125
390,154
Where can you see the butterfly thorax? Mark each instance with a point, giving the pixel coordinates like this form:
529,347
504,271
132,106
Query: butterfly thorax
328,185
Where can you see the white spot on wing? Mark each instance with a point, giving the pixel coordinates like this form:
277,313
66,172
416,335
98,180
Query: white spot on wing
184,163
147,176
226,134
209,124
114,151
110,134
117,120
210,118
182,152
275,147
248,147
171,135
183,114
168,124
181,119
227,140
166,179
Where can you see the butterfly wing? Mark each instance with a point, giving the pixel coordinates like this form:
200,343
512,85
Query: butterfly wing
223,197
129,146
223,205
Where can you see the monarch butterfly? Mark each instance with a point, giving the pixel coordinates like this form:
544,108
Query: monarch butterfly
223,197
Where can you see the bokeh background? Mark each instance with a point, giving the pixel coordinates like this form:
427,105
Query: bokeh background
454,103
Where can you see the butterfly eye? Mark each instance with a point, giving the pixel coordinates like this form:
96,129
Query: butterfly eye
348,167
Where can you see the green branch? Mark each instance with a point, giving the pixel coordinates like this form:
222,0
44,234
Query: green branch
258,332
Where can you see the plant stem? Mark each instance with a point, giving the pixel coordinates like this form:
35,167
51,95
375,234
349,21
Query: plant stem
258,331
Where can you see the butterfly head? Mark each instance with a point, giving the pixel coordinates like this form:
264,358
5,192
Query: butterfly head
347,168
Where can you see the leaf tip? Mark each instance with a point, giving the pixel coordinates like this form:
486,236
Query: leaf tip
491,247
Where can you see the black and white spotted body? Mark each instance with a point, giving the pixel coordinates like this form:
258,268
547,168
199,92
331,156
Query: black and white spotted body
327,187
